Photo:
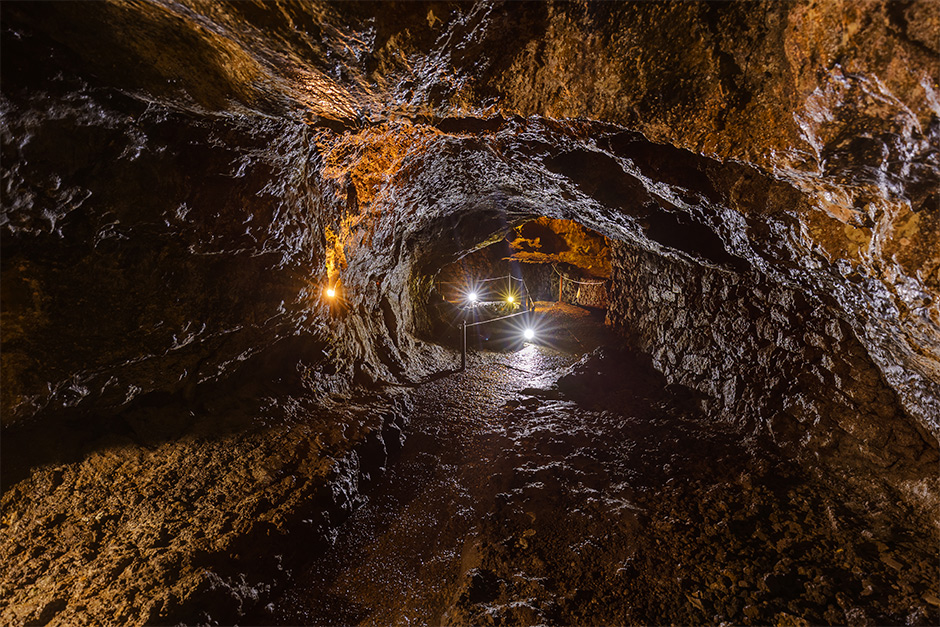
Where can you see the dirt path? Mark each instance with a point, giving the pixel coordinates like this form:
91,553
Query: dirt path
602,498
398,557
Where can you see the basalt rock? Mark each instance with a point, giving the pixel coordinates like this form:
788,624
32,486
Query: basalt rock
182,180
740,131
766,356
561,241
187,515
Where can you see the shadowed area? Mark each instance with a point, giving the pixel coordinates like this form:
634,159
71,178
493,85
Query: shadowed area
522,512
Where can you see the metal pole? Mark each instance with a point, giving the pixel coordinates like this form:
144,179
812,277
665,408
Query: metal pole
463,349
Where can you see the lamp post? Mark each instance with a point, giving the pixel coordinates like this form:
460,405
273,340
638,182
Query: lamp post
463,345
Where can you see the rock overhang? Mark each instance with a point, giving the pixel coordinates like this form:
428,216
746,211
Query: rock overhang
761,142
183,179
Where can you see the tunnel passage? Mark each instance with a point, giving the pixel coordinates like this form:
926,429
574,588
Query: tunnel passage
187,417
495,297
539,260
749,343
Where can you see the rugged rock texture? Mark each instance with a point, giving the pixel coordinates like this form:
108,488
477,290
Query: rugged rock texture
187,516
534,489
766,356
710,526
792,89
182,179
149,253
561,241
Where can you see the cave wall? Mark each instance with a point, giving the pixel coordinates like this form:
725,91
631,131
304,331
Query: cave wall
181,179
561,241
803,136
148,251
167,355
145,251
778,362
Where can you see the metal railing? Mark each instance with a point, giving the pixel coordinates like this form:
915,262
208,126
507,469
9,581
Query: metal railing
526,301
464,326
563,279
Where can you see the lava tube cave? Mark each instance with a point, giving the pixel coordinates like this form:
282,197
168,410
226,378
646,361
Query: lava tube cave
470,313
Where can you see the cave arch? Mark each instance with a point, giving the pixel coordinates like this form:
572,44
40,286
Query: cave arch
695,281
181,180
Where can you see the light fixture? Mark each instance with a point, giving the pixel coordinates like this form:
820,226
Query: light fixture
510,299
472,297
528,334
330,292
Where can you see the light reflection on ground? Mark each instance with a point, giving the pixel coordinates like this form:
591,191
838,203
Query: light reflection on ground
397,558
602,500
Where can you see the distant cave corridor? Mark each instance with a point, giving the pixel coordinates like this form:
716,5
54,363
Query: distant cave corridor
694,249
501,289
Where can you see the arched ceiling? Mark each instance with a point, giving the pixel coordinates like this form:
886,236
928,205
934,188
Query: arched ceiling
795,139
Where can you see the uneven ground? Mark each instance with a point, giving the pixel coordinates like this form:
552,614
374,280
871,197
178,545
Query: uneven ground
187,415
179,517
510,506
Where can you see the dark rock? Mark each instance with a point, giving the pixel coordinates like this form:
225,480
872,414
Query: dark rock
183,180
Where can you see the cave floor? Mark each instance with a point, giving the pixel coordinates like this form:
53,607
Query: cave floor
527,496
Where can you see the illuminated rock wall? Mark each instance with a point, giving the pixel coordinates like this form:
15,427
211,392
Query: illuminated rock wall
780,363
181,179
798,137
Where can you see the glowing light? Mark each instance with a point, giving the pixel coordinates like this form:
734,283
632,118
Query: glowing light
330,292
528,334
472,297
510,299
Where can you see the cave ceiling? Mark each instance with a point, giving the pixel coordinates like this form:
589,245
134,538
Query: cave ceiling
371,141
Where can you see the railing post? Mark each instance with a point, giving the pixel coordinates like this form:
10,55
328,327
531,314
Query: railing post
463,345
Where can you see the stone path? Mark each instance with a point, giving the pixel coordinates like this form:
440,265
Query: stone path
398,557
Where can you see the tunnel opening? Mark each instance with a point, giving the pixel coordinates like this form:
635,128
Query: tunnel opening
503,289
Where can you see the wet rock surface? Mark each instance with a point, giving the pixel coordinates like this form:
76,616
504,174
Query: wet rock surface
187,517
811,387
522,512
182,180
742,135
546,241
396,560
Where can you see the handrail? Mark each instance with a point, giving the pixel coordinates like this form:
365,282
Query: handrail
527,295
577,282
498,278
518,313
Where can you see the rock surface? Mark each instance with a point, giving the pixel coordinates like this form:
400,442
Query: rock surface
537,489
800,137
561,241
770,359
187,516
182,180
682,522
